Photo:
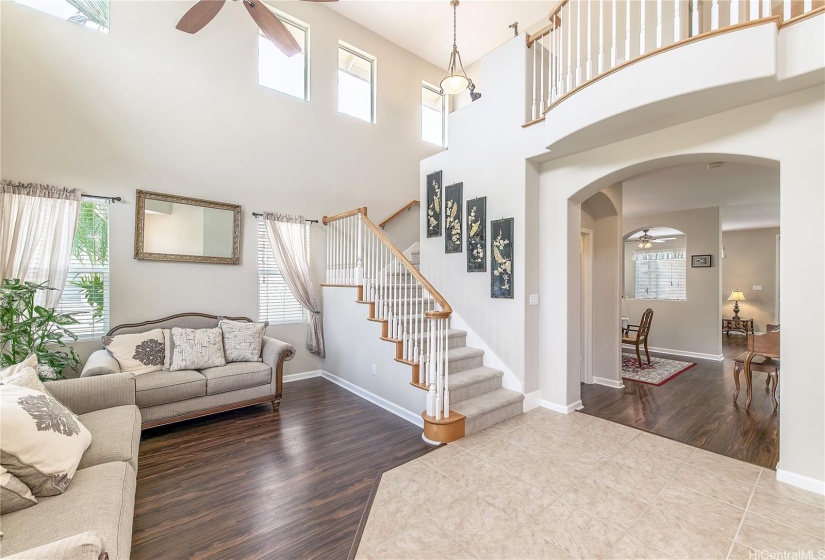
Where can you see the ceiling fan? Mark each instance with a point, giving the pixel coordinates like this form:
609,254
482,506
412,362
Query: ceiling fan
646,240
205,10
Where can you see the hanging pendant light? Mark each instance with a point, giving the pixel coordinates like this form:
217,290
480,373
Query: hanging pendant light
456,80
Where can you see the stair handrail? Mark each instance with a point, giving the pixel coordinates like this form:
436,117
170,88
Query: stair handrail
403,209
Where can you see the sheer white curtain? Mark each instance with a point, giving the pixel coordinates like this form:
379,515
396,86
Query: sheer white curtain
287,239
37,226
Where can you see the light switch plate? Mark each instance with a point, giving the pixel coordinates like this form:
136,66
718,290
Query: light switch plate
757,288
534,299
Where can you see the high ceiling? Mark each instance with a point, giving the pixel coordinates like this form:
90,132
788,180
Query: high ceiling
747,194
425,27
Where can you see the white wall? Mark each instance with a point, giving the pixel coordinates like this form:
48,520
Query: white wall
149,107
692,326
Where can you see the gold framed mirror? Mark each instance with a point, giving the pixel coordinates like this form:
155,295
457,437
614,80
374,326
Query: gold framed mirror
182,229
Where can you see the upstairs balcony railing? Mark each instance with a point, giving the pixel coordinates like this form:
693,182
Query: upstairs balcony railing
587,39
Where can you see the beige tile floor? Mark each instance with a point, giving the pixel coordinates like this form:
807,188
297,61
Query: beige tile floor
545,485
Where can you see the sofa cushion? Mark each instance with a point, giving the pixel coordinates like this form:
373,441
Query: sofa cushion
115,436
14,495
160,387
137,353
237,375
100,499
82,546
41,441
196,348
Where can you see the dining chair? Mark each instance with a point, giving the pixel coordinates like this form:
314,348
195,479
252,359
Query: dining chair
762,346
642,330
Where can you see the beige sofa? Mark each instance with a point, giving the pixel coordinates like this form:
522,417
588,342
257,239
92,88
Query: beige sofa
101,496
171,396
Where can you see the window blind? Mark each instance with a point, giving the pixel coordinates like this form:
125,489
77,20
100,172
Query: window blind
660,279
86,295
276,303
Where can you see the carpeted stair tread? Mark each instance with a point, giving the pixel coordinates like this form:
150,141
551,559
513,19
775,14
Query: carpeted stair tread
488,402
463,353
473,376
451,333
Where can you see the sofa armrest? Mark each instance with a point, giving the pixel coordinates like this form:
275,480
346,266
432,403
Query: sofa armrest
274,353
88,545
87,394
100,363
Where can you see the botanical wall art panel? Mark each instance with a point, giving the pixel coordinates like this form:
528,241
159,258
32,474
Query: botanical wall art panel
453,204
434,200
501,275
477,235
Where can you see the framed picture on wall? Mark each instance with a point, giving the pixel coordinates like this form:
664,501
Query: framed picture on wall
434,201
453,195
701,261
501,261
477,235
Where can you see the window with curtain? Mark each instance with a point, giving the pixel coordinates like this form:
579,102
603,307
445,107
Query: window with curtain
356,83
287,74
433,115
86,294
660,275
276,303
88,13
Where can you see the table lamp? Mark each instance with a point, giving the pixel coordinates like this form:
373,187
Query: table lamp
736,296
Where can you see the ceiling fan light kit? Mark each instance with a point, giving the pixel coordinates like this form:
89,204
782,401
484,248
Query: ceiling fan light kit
204,11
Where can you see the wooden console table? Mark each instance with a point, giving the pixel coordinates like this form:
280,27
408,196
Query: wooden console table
737,325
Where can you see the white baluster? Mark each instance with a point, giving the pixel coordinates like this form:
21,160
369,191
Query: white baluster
614,16
359,251
734,12
560,79
754,10
550,62
714,15
569,50
600,60
694,18
579,43
431,394
446,369
807,6
439,373
766,8
540,48
588,66
643,31
786,12
627,31
677,21
658,24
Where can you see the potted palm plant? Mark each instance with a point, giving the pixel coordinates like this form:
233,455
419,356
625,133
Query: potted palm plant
27,328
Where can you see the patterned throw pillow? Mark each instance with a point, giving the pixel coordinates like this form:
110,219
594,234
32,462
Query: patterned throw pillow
242,342
137,353
26,377
41,441
14,495
167,343
31,362
196,348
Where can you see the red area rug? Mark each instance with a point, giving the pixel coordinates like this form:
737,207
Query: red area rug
658,372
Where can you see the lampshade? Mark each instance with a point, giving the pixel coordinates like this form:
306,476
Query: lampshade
736,295
455,84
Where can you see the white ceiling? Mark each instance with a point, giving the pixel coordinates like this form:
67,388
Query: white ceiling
425,27
747,194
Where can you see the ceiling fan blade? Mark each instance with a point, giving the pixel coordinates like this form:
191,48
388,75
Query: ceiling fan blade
272,27
199,15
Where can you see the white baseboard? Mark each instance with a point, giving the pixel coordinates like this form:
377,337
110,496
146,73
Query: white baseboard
800,481
564,409
532,400
303,375
375,399
682,353
608,382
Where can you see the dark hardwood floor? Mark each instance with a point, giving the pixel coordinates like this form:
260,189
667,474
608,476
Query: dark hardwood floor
252,483
697,408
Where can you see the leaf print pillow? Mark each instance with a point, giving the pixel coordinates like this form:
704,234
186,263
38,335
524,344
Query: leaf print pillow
138,353
41,441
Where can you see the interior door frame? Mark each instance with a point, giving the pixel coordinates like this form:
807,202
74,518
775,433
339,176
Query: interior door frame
586,298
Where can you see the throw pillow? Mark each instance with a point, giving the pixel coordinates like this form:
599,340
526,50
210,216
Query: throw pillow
27,377
196,348
242,342
31,362
82,546
14,495
167,344
137,353
41,441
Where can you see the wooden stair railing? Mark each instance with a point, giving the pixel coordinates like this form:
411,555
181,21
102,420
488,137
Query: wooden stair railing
400,211
414,316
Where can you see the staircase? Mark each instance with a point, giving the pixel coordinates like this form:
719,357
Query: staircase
463,395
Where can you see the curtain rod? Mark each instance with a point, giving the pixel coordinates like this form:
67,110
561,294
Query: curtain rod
260,215
109,198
